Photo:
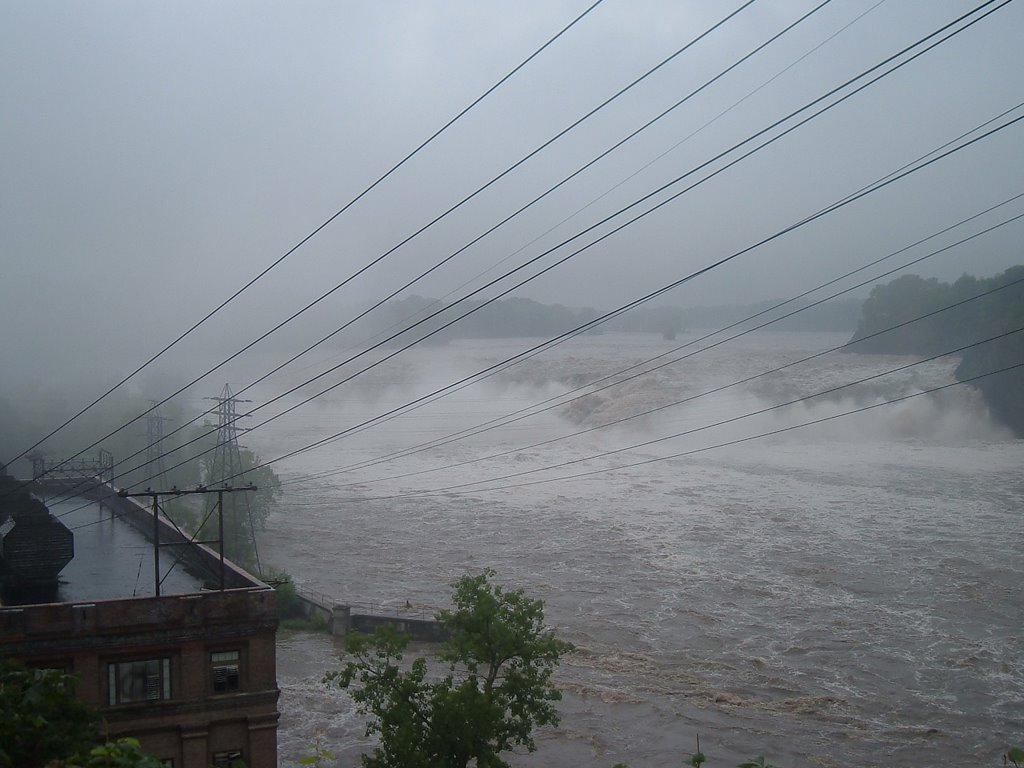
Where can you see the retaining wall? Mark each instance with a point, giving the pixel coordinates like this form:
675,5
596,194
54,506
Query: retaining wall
342,619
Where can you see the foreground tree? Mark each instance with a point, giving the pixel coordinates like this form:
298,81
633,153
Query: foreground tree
123,753
40,718
43,725
495,691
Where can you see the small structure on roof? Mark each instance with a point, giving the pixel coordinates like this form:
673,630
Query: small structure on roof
34,545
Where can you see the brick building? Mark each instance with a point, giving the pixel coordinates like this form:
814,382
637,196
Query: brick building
191,674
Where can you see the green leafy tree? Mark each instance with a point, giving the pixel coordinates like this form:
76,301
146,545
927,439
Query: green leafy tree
245,513
123,753
495,690
40,718
43,724
974,309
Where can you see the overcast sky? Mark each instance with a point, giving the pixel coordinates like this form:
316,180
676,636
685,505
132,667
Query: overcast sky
158,155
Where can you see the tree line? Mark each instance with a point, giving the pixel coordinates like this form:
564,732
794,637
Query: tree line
514,317
1001,311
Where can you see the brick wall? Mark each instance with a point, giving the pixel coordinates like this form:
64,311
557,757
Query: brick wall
195,721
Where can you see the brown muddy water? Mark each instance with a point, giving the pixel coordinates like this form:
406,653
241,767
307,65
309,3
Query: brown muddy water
842,594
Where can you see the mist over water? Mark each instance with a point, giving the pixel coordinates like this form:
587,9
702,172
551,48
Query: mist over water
841,594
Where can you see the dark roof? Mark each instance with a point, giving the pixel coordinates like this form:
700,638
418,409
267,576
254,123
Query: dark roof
112,558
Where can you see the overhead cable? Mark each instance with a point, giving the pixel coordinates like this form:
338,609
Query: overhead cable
312,234
675,196
889,179
461,487
618,378
458,490
415,234
607,316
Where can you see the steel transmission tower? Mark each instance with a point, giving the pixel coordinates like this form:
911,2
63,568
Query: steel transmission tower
226,468
155,469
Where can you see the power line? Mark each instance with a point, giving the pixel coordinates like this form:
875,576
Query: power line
632,175
431,223
464,383
489,231
605,220
633,304
622,309
834,206
845,201
544,194
316,231
828,209
495,369
614,380
455,489
460,487
676,195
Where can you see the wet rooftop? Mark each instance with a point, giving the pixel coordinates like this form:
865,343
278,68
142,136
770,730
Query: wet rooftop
112,559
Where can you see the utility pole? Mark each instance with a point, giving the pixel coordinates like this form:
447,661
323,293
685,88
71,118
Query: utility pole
158,579
226,466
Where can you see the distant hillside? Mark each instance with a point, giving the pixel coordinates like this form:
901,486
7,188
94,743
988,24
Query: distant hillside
839,315
911,296
518,317
512,318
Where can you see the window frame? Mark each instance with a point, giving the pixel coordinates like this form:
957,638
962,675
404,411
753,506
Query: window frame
226,758
214,664
121,671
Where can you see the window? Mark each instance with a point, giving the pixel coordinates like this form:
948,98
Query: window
224,666
227,759
132,681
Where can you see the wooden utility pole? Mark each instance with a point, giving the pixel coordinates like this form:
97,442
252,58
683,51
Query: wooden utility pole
219,541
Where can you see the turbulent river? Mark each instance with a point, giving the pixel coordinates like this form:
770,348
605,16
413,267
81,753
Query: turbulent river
845,593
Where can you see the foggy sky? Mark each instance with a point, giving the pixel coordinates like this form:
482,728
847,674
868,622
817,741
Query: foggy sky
158,155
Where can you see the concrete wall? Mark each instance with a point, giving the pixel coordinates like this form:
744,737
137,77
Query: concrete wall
422,630
311,607
342,619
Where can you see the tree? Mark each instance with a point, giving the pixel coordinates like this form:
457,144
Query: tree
495,692
43,724
123,753
40,718
245,513
974,310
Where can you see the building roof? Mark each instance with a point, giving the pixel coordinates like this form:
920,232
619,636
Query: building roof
113,559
